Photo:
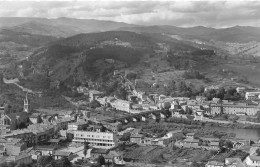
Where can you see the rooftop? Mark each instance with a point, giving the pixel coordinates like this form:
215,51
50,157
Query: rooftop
62,153
254,158
191,140
215,163
99,151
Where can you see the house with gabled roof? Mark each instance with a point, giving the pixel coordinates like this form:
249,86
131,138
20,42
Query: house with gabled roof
13,120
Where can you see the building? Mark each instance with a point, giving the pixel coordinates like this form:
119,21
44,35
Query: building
12,121
81,125
190,143
95,128
121,105
240,89
4,109
26,135
82,89
96,139
252,161
3,151
215,164
136,138
85,113
13,146
211,88
252,95
41,132
96,152
23,158
234,162
234,109
35,118
190,135
62,124
45,150
114,127
201,98
26,105
94,94
60,154
111,156
114,157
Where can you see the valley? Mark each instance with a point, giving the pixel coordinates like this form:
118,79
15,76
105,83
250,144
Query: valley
145,94
42,56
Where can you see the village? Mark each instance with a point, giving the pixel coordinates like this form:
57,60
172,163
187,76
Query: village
110,132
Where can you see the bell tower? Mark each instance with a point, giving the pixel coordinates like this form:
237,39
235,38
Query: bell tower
26,104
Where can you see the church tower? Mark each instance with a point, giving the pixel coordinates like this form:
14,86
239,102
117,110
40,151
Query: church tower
26,104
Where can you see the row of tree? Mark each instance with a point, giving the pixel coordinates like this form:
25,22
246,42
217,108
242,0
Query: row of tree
223,94
184,89
49,161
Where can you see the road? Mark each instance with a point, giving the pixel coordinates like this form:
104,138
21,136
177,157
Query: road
15,82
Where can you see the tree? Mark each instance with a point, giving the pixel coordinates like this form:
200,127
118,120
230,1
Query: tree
195,164
43,161
257,152
64,161
8,164
21,165
94,104
101,160
126,136
220,93
86,147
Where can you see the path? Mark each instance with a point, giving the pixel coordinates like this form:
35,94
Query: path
15,82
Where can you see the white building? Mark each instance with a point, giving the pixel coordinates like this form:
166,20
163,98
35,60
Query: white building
252,95
240,89
104,140
234,109
121,105
252,161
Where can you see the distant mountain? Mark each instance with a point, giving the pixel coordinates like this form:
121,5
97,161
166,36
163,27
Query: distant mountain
23,38
171,30
60,27
237,34
38,28
16,46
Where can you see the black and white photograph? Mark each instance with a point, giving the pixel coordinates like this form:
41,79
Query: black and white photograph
130,83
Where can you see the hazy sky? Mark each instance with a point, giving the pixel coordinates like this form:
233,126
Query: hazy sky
179,13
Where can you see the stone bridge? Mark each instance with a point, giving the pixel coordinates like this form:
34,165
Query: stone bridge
142,116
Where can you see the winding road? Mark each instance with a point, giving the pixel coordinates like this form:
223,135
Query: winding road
15,82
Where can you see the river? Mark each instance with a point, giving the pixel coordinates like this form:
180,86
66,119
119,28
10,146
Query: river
253,134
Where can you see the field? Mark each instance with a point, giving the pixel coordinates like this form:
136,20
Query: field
100,114
165,155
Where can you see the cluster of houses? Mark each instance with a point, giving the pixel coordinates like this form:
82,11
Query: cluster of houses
251,160
205,143
139,101
28,135
141,139
46,133
176,138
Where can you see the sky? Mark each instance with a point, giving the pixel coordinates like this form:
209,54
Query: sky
181,13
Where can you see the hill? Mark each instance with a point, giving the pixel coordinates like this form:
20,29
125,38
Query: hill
235,41
95,56
16,46
60,27
25,38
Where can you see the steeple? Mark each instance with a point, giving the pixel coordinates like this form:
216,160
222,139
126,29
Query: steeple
26,104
